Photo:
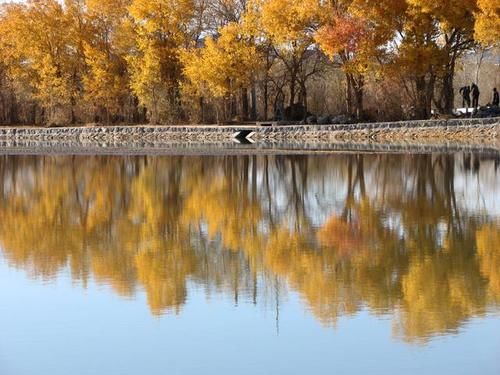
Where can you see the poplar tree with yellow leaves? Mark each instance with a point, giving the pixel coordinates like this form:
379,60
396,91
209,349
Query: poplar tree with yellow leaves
105,79
221,69
37,41
289,26
428,39
161,28
454,26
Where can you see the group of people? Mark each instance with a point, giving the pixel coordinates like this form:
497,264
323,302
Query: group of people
473,90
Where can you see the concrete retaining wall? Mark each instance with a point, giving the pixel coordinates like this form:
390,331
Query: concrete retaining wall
466,131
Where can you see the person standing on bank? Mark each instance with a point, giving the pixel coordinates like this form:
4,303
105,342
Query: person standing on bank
475,95
496,100
465,91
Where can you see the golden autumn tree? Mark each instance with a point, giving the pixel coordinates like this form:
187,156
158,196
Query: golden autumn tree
105,80
14,82
347,38
40,45
428,39
288,26
414,54
353,35
222,68
454,23
161,28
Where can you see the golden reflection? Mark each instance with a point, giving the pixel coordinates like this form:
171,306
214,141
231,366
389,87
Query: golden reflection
488,251
394,237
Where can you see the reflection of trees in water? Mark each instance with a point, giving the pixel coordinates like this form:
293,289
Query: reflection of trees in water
399,241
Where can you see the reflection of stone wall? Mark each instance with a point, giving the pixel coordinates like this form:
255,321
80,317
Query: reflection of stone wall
476,131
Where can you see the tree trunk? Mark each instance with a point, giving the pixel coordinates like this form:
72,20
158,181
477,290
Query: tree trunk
202,110
14,114
292,97
304,99
358,94
254,103
446,103
266,99
244,103
478,65
348,95
425,90
234,107
448,92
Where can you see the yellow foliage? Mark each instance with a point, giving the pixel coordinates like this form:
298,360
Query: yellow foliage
488,251
487,28
36,47
290,23
105,80
104,84
224,65
161,29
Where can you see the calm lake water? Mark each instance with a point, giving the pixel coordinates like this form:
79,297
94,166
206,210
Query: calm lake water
333,264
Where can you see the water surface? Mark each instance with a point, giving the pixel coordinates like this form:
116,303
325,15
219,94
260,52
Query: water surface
347,263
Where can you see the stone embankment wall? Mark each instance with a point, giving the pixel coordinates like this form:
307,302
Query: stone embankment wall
457,131
434,131
119,134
